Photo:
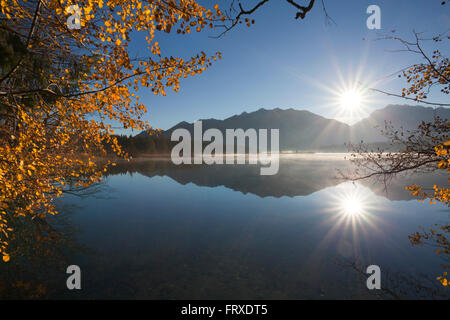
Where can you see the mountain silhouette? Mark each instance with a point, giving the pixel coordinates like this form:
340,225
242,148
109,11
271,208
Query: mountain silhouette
305,131
400,116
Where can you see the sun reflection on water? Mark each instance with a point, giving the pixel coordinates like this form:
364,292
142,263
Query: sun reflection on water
353,208
352,216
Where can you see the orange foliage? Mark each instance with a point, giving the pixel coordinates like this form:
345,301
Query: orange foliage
54,141
420,78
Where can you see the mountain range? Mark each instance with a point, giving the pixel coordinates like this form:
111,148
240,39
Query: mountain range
303,130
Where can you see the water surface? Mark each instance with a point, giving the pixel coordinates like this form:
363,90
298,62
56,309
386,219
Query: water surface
154,230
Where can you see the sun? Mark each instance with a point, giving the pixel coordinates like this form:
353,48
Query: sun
351,99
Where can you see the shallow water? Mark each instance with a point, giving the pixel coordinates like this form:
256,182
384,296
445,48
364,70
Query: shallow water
153,230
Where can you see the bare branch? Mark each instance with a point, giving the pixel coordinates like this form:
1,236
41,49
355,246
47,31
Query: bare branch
408,98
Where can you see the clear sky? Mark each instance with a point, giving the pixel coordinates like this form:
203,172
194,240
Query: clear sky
284,63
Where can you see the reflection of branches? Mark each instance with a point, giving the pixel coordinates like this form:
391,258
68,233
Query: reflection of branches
436,238
83,191
418,152
41,251
423,150
398,285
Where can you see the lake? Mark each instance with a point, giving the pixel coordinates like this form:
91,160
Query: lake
153,230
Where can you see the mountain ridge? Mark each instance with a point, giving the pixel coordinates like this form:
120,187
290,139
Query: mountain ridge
307,131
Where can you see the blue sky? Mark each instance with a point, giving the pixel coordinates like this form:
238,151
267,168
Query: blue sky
301,64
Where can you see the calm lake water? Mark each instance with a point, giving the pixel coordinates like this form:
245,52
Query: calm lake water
153,230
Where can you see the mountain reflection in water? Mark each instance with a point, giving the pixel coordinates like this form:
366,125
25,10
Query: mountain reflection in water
299,175
154,230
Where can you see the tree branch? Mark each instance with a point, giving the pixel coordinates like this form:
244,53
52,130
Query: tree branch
413,99
30,34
